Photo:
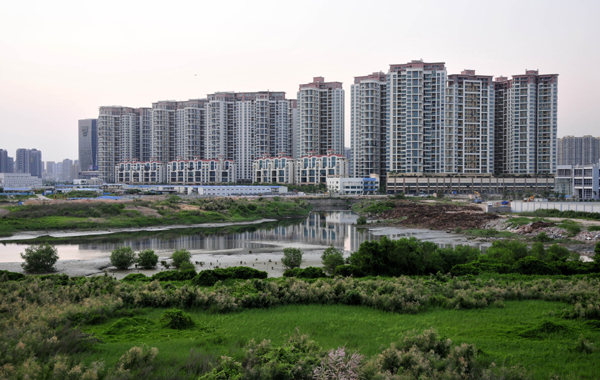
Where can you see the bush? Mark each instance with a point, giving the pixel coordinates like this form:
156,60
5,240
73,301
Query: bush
347,271
135,277
310,272
361,220
597,253
292,258
39,259
530,265
147,259
180,256
174,275
177,319
211,276
543,237
331,259
187,266
122,258
11,276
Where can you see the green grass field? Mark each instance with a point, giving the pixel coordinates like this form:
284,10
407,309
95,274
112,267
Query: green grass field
522,333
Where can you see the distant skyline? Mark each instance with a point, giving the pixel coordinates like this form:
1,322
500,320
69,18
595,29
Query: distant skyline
61,60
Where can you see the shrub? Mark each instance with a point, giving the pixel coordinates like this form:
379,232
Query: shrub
135,277
531,265
122,258
210,277
543,237
177,319
39,259
331,259
147,259
347,271
310,272
174,275
292,258
361,220
187,266
556,253
137,357
597,253
180,256
338,365
11,276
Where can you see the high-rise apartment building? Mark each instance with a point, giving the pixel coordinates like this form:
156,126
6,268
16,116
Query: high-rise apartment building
244,126
468,133
29,161
320,118
368,125
88,144
110,121
416,123
526,107
578,150
190,127
6,162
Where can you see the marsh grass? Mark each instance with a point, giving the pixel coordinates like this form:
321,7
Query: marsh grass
521,333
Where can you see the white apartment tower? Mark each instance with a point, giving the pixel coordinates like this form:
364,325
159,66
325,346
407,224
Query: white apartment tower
469,124
416,122
578,150
244,126
527,143
190,126
163,131
320,118
110,150
368,125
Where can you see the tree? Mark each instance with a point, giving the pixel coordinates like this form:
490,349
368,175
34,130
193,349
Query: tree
147,259
39,259
181,256
122,258
361,220
331,259
597,253
292,258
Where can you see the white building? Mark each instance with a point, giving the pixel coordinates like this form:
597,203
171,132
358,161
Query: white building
581,182
368,125
139,172
199,171
353,186
320,118
468,136
19,180
225,191
280,169
314,170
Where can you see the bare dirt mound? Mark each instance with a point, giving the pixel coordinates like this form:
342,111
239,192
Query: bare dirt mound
438,216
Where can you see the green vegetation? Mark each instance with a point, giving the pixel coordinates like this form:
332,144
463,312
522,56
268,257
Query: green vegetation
180,256
39,259
529,327
122,258
373,206
211,276
292,258
309,272
331,259
172,211
147,259
563,214
361,221
81,194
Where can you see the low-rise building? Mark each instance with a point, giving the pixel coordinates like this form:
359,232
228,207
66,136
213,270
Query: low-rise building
280,169
20,180
314,170
453,184
353,186
578,181
225,191
139,172
199,171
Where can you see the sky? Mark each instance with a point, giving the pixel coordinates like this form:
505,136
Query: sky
61,60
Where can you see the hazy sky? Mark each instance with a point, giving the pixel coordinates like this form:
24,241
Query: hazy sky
61,60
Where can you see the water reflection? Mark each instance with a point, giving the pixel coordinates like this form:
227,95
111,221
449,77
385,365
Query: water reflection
319,229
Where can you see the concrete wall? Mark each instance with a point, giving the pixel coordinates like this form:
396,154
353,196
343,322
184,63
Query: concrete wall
518,206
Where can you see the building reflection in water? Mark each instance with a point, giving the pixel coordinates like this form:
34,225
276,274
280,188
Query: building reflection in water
334,228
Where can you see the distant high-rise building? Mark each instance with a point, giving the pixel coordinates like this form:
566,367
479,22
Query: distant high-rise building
6,162
416,117
578,150
368,125
66,174
88,144
526,121
320,118
29,161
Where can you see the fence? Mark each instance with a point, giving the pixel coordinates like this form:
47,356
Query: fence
561,206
